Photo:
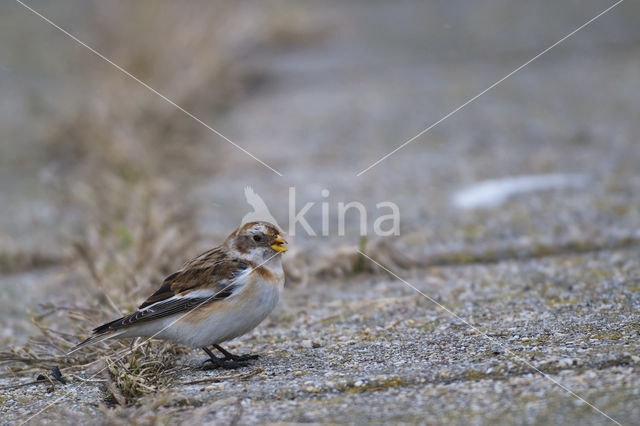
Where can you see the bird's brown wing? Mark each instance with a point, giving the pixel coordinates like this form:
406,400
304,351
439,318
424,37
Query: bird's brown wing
212,269
210,277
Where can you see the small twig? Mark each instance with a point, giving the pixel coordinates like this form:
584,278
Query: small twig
25,360
113,389
223,378
85,254
42,378
82,379
34,382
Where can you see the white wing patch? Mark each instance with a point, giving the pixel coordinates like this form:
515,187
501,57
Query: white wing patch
224,289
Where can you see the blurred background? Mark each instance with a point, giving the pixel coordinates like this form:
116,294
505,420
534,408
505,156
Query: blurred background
105,187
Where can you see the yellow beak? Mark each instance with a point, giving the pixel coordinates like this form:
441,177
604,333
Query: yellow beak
278,244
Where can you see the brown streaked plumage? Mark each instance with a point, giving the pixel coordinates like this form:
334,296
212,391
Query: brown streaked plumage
219,295
215,267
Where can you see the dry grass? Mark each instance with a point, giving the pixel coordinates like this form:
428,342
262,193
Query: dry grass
127,248
120,159
120,127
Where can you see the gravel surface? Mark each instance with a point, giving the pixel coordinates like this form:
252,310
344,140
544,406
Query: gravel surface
525,334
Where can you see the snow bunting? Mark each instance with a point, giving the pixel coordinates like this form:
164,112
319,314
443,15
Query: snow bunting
221,294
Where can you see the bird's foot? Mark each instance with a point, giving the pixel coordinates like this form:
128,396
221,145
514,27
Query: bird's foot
241,358
228,362
229,356
223,363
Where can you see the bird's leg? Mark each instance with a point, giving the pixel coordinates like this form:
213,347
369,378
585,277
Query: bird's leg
214,360
229,355
225,363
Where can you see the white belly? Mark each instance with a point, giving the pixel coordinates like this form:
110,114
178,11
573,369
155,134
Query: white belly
236,318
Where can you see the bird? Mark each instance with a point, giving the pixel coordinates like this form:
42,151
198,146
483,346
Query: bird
221,294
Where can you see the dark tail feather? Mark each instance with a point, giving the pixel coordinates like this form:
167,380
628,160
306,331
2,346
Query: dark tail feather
101,333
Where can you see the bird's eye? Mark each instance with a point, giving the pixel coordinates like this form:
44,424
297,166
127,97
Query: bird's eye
257,238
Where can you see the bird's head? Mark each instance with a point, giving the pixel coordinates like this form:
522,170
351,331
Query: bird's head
256,241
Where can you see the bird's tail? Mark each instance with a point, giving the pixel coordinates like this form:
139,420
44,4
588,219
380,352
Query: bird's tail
96,338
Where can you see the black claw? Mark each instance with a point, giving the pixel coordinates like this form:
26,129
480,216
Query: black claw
246,357
229,356
228,362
